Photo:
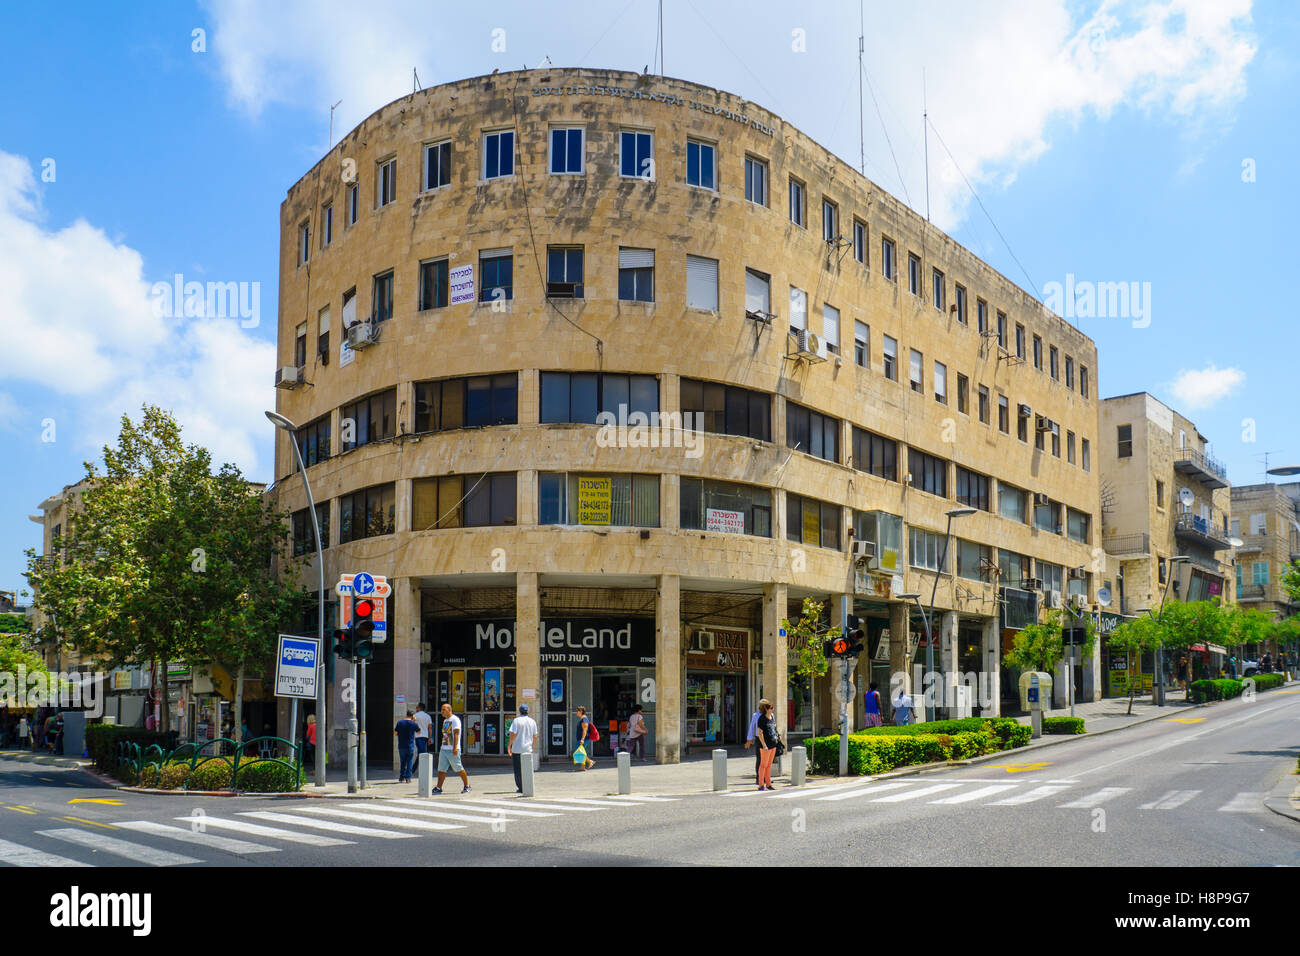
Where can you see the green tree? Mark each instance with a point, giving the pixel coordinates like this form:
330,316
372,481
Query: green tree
15,624
1291,580
806,637
1134,638
16,652
163,560
1248,625
1041,647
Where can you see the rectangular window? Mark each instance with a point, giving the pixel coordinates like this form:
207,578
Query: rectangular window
382,297
963,394
567,150
727,409
1002,329
304,243
323,339
1011,502
1069,447
437,164
915,372
1056,439
1020,341
1022,423
636,154
1259,524
700,164
433,284
1069,372
326,224
798,309
914,273
1004,415
304,535
1038,353
463,501
622,501
1077,525
1124,441
929,474
875,454
941,383
1047,516
889,358
984,404
499,154
808,521
831,328
756,181
925,550
758,293
972,489
960,302
1051,575
702,283
723,506
1054,362
581,396
368,513
887,266
564,268
386,183
300,345
496,269
981,316
1013,568
937,291
636,275
368,420
861,344
353,203
1085,454
474,402
860,241
811,432
1083,380
314,441
1041,428
1259,573
974,560
830,221
797,206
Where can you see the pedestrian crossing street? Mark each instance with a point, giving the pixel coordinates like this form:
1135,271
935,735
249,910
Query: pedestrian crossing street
1063,794
314,823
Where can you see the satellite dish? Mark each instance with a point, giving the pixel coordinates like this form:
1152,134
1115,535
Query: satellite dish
1103,596
1186,497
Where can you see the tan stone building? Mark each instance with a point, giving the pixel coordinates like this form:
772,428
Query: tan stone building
1267,519
478,272
1164,496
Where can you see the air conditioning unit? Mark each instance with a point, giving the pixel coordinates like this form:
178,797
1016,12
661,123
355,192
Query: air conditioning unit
1078,601
1042,423
562,290
290,376
1077,574
811,345
887,560
1032,584
1040,498
864,550
362,335
704,641
1025,411
1053,599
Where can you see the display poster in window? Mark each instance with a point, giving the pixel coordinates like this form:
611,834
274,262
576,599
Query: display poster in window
458,691
460,282
492,690
444,690
882,647
732,522
491,734
594,496
812,526
474,734
555,689
508,692
555,735
474,690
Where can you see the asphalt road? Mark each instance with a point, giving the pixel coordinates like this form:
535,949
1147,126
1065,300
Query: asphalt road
1182,791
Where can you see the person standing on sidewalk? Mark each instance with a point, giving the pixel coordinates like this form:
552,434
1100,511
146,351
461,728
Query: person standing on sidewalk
449,752
767,739
749,740
24,733
309,742
586,736
902,708
871,714
405,734
636,734
523,731
422,735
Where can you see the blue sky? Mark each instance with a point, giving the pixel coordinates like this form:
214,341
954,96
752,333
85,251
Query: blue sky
1106,139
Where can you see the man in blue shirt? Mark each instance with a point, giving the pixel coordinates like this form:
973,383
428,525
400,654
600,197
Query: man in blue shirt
405,733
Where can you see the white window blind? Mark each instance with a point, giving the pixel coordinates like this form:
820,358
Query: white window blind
758,293
636,258
702,283
831,325
798,308
349,311
325,320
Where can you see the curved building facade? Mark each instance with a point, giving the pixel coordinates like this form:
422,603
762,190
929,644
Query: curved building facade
634,367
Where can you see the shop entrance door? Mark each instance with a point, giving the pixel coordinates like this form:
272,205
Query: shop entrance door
613,692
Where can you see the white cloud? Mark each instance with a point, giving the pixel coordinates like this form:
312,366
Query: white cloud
1201,388
79,308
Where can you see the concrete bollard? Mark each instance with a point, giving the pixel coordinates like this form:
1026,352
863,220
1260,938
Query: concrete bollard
719,770
798,766
526,774
624,773
1036,722
425,772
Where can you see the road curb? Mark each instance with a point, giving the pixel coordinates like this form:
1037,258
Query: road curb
1280,798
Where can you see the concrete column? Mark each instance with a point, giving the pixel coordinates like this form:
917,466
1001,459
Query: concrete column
528,661
900,662
840,605
668,669
776,655
526,482
405,630
947,659
991,668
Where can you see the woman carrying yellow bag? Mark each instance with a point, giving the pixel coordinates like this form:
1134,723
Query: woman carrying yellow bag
586,734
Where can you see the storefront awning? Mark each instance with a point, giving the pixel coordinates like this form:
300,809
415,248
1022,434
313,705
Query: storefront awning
1212,648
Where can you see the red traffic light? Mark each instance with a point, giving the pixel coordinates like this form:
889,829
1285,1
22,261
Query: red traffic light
840,645
363,609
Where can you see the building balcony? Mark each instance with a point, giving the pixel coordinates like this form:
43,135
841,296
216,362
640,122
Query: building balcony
1128,545
1198,530
1250,592
1206,470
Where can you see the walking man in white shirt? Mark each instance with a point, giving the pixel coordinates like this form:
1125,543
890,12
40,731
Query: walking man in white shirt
523,731
449,752
425,724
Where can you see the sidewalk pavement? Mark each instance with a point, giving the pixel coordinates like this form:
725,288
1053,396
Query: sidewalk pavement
1112,713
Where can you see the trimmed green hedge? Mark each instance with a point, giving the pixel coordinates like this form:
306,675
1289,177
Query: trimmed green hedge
1225,688
873,754
102,741
1009,732
1063,725
265,776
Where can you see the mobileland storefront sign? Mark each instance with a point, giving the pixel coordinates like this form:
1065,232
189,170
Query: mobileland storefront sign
654,96
577,642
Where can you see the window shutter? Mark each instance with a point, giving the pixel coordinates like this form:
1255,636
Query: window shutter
798,308
636,258
831,325
702,283
758,297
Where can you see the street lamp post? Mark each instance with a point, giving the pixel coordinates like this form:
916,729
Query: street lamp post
1157,684
281,422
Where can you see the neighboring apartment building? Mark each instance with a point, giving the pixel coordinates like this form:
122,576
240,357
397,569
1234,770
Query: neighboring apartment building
480,269
1267,519
1163,496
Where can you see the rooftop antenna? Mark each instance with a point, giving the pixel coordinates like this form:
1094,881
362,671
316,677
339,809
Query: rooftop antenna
416,76
661,38
332,109
925,132
862,151
546,61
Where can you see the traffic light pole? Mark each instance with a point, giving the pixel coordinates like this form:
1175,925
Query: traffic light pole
361,737
352,732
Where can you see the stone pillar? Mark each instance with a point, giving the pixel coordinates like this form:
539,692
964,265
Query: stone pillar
528,660
1092,673
405,628
776,654
991,669
840,606
668,669
947,661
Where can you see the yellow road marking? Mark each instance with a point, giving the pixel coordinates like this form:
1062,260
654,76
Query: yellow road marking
1186,720
111,803
1020,767
22,809
106,826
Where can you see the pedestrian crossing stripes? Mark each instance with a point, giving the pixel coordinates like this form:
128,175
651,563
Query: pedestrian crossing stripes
1030,796
1243,803
135,852
201,838
17,855
1171,800
977,793
1103,795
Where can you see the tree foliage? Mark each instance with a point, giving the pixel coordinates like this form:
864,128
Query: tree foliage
806,637
1041,647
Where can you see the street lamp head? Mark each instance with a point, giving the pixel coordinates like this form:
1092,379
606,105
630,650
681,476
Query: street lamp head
909,597
1179,559
279,421
961,512
1235,541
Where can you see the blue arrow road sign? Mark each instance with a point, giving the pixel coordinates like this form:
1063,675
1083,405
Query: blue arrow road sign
363,584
